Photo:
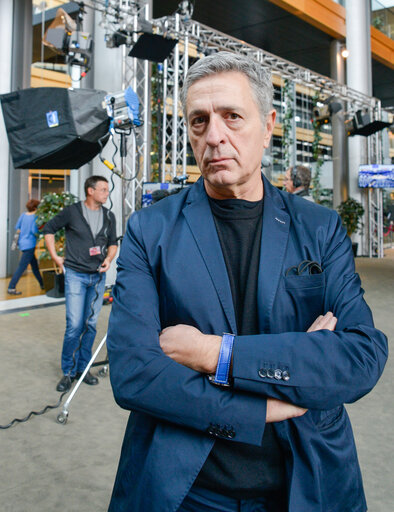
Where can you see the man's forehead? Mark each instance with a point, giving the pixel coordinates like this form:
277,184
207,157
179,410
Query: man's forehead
99,185
229,87
231,78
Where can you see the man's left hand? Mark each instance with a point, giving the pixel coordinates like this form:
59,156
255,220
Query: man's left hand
105,265
189,346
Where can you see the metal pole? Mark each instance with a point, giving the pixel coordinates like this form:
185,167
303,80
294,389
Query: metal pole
123,155
185,68
63,416
164,129
122,143
340,168
175,104
359,77
147,114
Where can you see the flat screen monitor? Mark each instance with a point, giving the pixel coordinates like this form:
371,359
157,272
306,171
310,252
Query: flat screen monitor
376,176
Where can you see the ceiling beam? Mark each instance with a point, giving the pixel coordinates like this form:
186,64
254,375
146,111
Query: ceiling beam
330,17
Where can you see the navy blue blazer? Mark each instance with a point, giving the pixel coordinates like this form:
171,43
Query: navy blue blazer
171,270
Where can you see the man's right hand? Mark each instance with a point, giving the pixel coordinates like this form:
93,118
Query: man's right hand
280,411
59,261
50,243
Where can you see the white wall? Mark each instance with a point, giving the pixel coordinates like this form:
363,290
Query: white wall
6,11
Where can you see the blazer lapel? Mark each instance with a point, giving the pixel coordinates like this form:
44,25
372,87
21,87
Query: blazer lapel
275,233
199,218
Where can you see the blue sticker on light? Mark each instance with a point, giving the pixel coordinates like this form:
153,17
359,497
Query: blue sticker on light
52,118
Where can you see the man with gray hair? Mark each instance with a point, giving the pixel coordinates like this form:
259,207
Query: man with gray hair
238,328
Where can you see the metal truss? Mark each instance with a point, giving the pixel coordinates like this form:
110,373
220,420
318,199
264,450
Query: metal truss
375,223
207,39
135,156
200,39
375,198
204,40
174,133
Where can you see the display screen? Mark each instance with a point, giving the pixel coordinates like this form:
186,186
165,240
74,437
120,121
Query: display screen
376,176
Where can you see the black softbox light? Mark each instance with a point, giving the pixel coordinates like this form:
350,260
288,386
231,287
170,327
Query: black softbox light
152,47
54,128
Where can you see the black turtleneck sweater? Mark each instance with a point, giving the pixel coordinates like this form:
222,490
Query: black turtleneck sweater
240,470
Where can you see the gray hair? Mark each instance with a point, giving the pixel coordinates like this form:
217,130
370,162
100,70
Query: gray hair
223,62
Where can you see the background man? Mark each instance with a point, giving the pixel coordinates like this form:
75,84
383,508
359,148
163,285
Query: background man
91,245
220,421
297,181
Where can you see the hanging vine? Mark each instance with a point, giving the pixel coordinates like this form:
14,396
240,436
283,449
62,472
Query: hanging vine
316,154
156,98
287,139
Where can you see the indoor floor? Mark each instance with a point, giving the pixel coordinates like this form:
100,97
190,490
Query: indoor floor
47,466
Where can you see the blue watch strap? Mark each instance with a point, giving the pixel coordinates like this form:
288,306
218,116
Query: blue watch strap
223,367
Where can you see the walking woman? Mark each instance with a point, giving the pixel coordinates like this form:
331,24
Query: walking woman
27,230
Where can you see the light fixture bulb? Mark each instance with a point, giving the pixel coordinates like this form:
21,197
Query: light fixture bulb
345,53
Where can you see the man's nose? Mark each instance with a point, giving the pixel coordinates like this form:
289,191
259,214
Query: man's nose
215,132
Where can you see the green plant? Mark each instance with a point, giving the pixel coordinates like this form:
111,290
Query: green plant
287,127
316,154
378,22
351,213
51,204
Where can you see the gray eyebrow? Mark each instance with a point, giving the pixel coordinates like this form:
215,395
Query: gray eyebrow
200,111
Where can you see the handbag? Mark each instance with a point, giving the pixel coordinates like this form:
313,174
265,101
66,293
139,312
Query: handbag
14,245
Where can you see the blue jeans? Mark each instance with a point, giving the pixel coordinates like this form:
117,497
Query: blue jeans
203,500
80,291
26,259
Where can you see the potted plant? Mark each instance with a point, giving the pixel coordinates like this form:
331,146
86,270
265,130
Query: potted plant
51,204
351,213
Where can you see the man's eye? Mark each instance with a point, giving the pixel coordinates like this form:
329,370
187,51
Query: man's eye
233,115
198,120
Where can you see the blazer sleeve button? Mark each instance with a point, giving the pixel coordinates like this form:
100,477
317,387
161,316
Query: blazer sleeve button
270,373
231,434
211,429
285,375
278,374
263,373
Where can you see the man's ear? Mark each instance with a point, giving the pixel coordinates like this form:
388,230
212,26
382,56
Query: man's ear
269,127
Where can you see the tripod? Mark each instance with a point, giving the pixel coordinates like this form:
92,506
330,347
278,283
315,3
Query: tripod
63,416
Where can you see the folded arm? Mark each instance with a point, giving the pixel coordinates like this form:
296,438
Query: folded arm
324,368
190,347
145,379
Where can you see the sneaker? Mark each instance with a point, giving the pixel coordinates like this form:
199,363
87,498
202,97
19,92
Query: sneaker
13,291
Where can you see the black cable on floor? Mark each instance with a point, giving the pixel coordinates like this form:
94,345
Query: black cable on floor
34,413
50,407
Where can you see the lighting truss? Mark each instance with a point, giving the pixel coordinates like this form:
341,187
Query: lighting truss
126,16
206,38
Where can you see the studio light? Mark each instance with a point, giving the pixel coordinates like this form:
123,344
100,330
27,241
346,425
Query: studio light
64,37
323,111
54,128
361,124
153,47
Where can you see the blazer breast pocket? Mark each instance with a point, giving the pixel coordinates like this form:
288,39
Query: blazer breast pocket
303,299
307,281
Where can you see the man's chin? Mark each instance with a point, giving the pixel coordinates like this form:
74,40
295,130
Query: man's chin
220,177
